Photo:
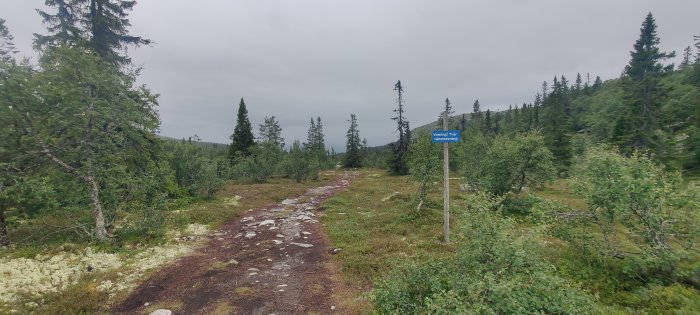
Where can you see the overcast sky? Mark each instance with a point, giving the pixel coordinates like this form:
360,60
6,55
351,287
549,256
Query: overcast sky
297,59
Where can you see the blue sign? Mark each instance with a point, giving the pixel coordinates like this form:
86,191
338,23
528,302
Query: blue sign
441,136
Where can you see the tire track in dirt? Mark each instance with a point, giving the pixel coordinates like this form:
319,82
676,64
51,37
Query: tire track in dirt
272,260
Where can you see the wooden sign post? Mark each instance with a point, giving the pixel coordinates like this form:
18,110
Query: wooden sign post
446,136
446,182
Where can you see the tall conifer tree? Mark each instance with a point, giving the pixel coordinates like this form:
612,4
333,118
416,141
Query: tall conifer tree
353,154
477,116
242,138
636,126
398,162
557,126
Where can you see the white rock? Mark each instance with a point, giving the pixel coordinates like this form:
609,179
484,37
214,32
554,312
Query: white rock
267,222
277,242
303,245
288,202
247,219
250,234
279,235
161,312
253,269
306,233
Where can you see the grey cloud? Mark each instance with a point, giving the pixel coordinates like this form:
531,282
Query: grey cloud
297,59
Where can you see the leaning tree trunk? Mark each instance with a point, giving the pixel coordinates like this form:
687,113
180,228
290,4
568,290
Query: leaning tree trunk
100,229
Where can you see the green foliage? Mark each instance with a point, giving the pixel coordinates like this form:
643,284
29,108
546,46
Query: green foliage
494,272
262,163
87,119
194,172
469,156
424,164
297,164
638,194
509,163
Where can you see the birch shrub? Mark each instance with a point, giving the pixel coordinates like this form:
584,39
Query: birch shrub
494,271
641,211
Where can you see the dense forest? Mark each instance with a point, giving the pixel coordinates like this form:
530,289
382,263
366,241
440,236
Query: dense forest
81,162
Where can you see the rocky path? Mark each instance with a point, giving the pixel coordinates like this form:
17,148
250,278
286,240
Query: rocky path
272,260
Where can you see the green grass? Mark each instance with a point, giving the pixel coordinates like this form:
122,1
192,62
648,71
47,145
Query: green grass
377,236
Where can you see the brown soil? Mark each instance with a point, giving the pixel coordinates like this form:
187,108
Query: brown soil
260,263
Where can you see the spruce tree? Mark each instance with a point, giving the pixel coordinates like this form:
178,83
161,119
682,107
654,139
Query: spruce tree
516,119
636,127
692,143
477,116
544,90
63,26
686,59
556,126
565,96
597,83
398,161
100,25
508,123
108,24
242,138
536,116
315,145
271,131
353,155
578,85
497,123
320,141
487,122
310,144
7,46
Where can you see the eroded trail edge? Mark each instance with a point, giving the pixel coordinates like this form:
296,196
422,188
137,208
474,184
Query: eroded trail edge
271,260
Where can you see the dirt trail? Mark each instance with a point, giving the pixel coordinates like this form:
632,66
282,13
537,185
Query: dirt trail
271,260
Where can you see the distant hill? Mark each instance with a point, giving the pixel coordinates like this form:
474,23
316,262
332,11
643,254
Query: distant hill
454,122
